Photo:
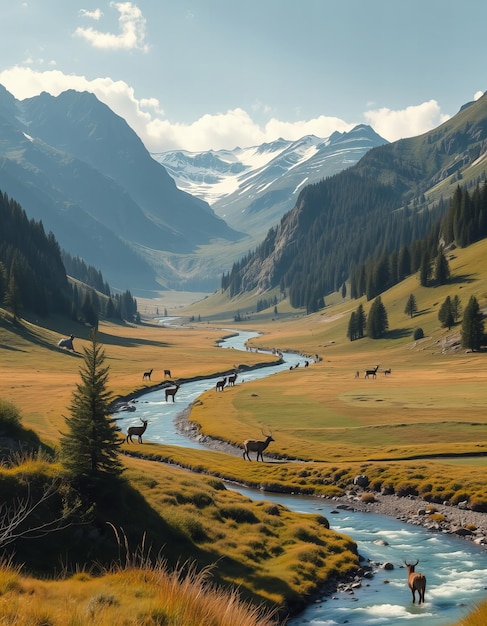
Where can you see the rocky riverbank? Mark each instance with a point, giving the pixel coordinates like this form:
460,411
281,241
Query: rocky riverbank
456,520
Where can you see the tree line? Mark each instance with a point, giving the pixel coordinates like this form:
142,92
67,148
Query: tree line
33,275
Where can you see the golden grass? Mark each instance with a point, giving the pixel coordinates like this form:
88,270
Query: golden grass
132,596
431,406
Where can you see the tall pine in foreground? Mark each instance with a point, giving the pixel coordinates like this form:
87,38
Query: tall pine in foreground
90,448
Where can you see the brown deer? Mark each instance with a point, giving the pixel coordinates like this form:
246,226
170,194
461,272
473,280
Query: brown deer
220,384
232,378
147,374
251,445
416,582
372,372
167,373
171,392
136,430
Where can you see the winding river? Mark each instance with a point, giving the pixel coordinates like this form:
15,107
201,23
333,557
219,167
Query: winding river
456,569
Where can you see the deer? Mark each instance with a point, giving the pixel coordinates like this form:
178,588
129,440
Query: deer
136,430
416,582
251,445
387,371
171,392
167,373
372,372
147,374
232,378
220,384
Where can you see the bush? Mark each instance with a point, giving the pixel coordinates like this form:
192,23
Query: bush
9,416
418,334
367,498
478,504
406,489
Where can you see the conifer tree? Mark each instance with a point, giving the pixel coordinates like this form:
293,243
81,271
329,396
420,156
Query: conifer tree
90,448
377,322
445,314
13,298
411,306
472,326
352,327
361,321
442,269
457,307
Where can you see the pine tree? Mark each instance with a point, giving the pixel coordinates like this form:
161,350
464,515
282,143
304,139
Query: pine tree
445,314
411,306
352,327
13,298
361,321
90,448
377,322
472,326
442,269
457,307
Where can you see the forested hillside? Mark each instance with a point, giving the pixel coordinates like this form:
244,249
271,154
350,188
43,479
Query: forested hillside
395,196
33,276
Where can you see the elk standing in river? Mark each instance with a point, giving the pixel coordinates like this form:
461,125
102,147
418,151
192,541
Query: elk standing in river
251,445
171,392
416,582
136,430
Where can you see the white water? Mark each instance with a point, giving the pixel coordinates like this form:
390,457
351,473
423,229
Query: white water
456,570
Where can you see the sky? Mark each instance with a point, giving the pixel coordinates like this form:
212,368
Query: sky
198,75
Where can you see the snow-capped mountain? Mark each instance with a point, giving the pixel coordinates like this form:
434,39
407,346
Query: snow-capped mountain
252,188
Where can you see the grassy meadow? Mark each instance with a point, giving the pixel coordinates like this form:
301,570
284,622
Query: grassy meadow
420,430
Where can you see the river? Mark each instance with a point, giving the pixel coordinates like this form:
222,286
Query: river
456,570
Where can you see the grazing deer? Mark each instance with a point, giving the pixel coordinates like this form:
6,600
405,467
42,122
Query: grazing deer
232,378
167,373
250,445
171,392
372,373
147,374
416,582
220,384
136,430
387,371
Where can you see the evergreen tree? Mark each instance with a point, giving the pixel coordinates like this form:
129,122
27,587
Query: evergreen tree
361,321
442,269
445,314
425,270
90,448
377,323
13,298
344,290
352,327
411,306
457,307
472,326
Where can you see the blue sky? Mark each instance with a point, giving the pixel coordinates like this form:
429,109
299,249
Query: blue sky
212,74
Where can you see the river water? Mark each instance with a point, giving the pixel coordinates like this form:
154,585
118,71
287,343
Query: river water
456,570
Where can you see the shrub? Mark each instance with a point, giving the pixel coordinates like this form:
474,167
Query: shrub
239,514
418,334
367,498
9,416
478,503
406,489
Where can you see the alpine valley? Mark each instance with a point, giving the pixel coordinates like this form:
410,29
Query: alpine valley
179,220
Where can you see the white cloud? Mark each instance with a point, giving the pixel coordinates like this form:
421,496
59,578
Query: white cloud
408,122
94,15
132,30
212,131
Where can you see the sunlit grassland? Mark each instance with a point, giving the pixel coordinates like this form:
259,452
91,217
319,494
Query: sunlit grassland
133,595
409,430
39,377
